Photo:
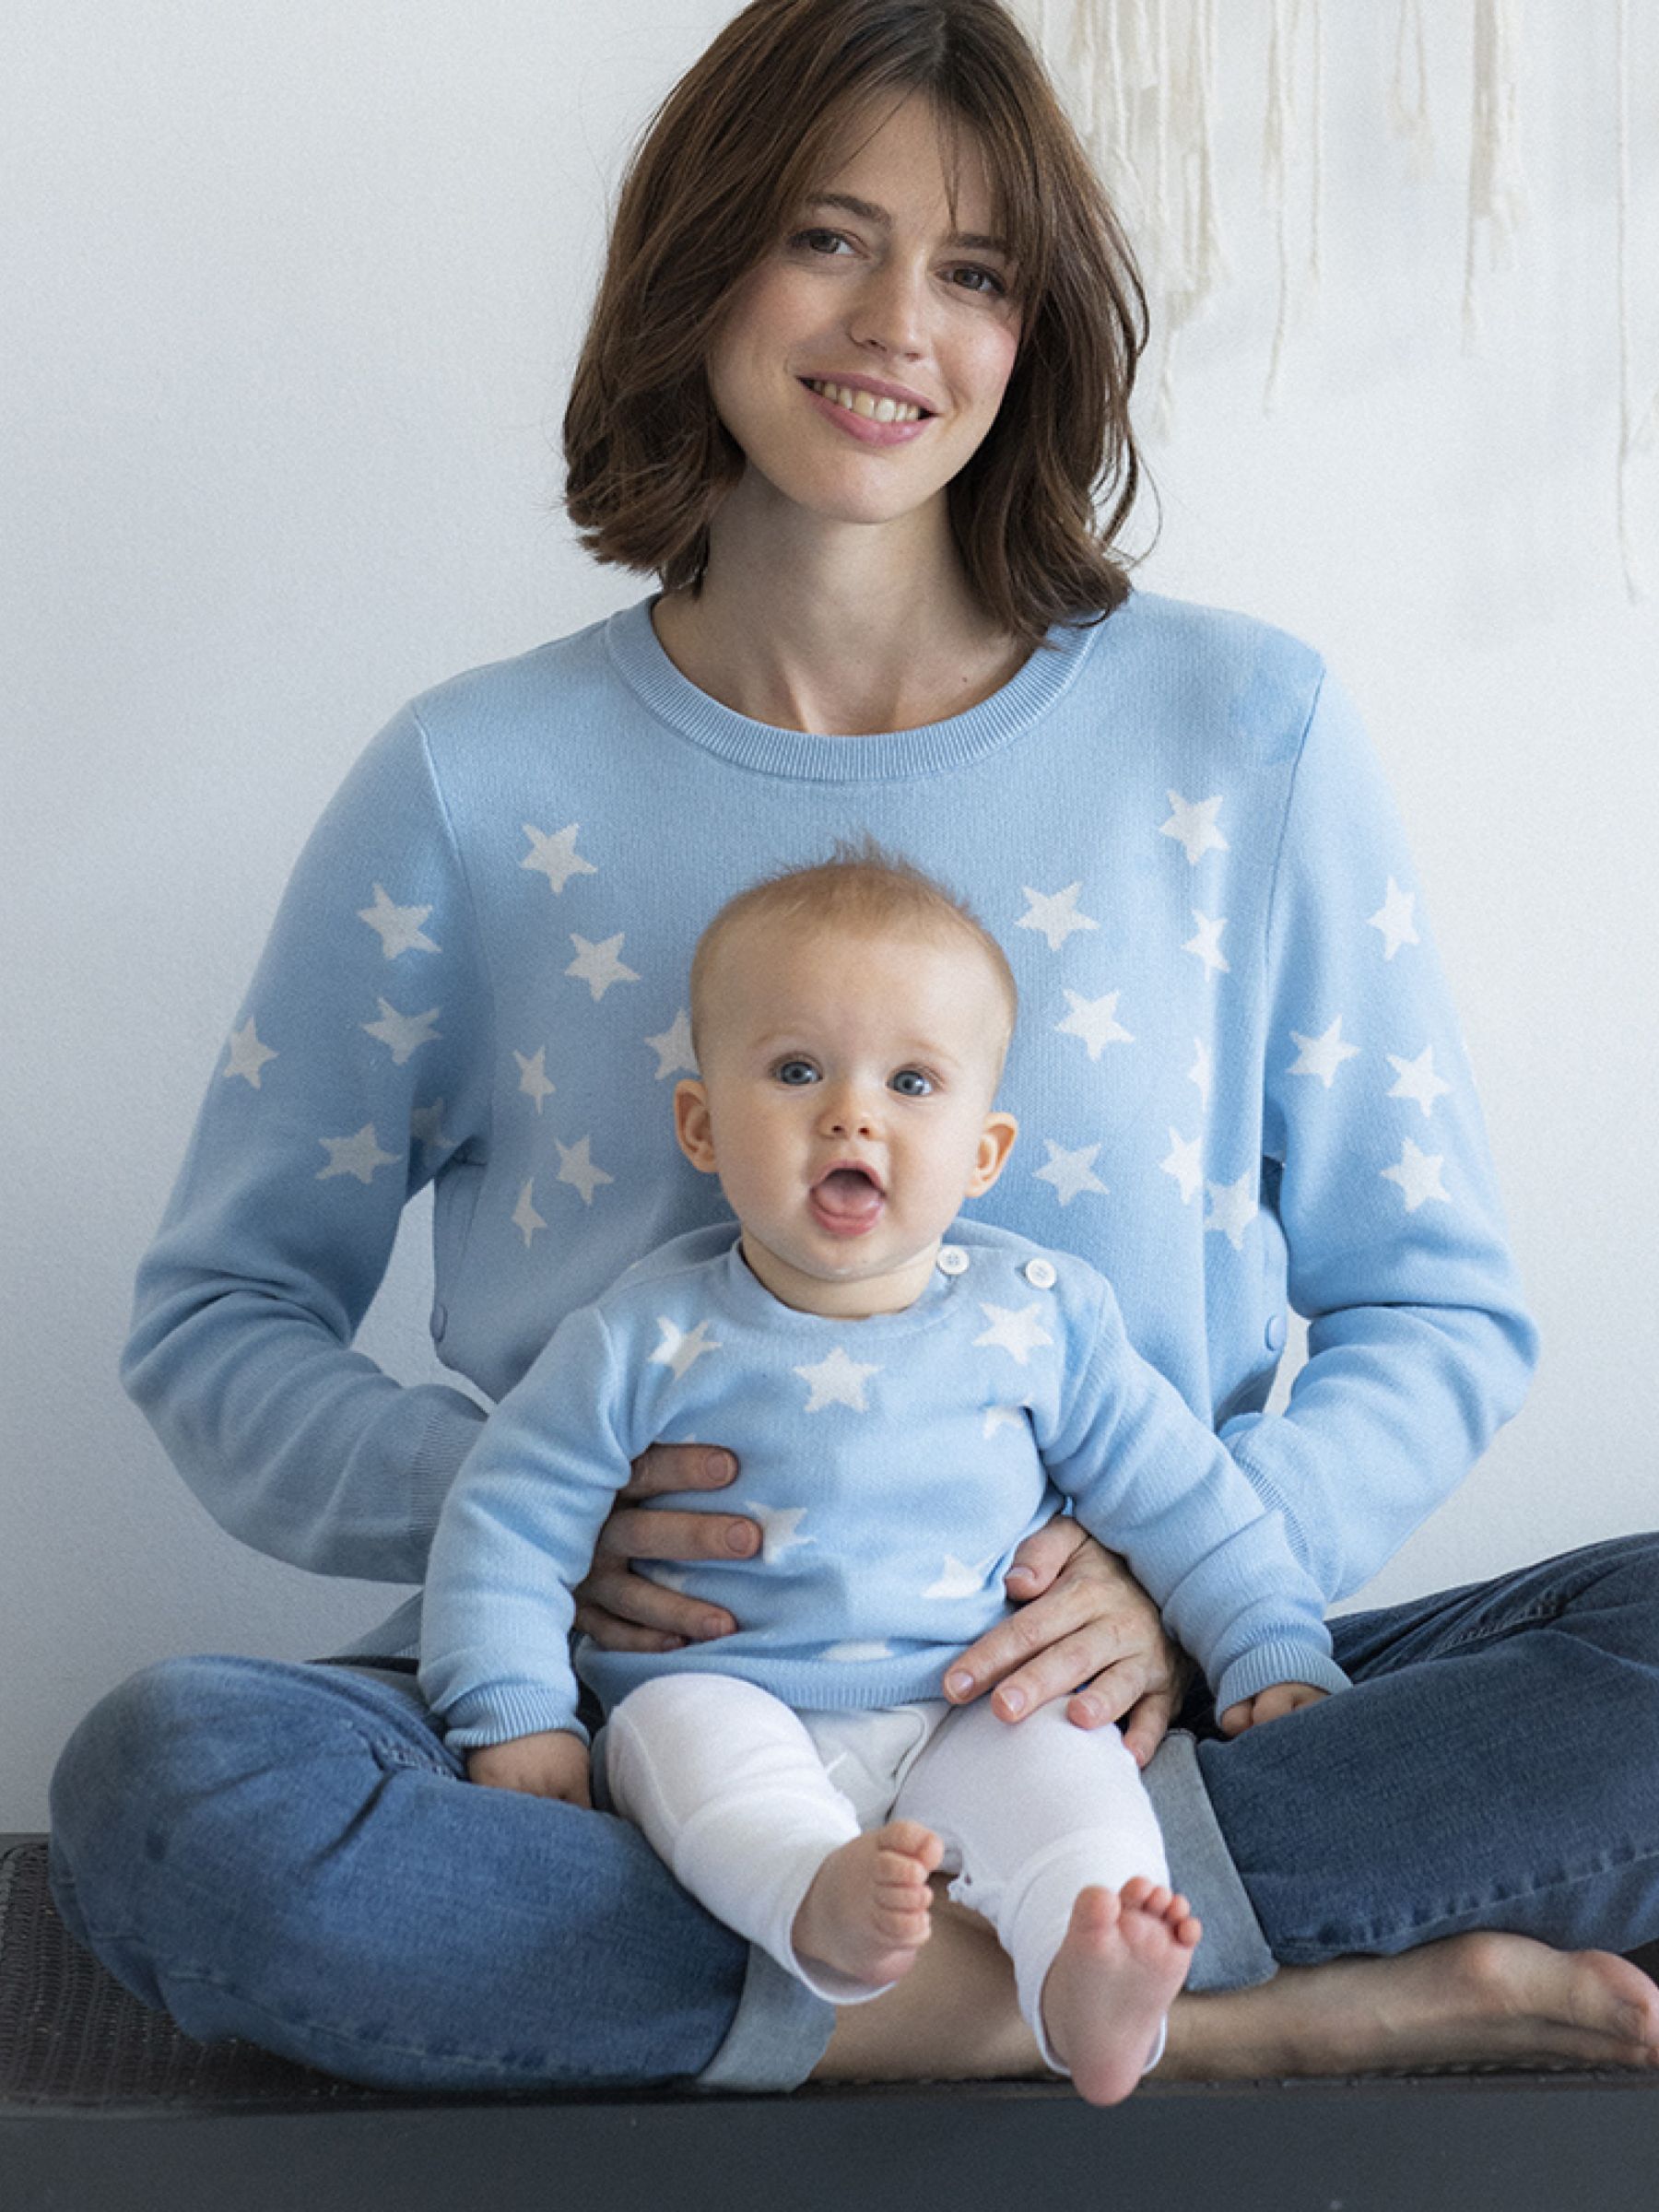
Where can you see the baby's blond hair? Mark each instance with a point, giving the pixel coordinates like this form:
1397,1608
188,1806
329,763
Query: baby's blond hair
863,890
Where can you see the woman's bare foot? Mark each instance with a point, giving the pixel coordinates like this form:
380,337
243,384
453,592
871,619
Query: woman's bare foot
866,1914
1114,1979
1478,2000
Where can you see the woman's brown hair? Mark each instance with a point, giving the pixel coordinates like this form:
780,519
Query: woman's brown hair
735,149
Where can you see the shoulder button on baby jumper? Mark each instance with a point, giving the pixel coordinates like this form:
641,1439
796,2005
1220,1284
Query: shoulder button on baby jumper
1040,1273
953,1260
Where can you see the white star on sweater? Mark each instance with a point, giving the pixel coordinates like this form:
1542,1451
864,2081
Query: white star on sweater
1015,1330
1394,919
533,1075
525,1218
673,1048
780,1529
1071,1173
600,966
555,857
1194,825
1054,914
1417,1080
1206,944
404,1034
1201,1071
960,1579
247,1055
426,1127
1095,1020
837,1381
1322,1056
360,1154
1002,1416
576,1168
682,1348
1419,1176
398,927
857,1655
1185,1164
1232,1209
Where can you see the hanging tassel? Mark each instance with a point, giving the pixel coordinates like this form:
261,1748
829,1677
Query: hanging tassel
1276,125
1497,189
1637,432
1409,93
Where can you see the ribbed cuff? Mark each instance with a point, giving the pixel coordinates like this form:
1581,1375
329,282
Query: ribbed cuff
1234,1952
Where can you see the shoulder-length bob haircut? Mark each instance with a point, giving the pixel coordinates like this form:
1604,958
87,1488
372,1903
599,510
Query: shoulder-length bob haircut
740,144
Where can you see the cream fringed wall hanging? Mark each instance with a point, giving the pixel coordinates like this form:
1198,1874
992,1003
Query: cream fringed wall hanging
1141,78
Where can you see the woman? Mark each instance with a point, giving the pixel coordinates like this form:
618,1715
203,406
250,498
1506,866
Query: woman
861,356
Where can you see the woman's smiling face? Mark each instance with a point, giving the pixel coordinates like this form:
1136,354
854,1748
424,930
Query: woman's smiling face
863,362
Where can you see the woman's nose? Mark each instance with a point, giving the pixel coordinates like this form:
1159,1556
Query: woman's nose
889,315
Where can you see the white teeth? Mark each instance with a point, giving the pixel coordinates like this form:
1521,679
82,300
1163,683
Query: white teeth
868,405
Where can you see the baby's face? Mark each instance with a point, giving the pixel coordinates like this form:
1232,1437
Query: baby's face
845,1102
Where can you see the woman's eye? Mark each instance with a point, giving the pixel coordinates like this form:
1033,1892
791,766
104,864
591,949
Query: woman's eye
911,1083
984,281
797,1073
818,242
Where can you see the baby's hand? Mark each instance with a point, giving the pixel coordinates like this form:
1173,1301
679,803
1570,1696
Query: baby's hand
554,1764
1268,1704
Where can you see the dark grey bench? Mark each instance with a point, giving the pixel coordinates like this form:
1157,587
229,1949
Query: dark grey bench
105,2107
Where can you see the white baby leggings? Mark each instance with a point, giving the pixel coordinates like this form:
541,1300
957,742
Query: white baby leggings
743,1799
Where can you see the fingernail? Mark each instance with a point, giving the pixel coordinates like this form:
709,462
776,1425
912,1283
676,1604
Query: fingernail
1088,1709
960,1684
1021,1574
1013,1701
720,1467
711,1628
742,1536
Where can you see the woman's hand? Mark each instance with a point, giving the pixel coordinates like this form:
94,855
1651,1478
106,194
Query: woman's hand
1084,1620
624,1612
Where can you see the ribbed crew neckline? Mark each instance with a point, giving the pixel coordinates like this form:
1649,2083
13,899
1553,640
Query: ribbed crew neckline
931,750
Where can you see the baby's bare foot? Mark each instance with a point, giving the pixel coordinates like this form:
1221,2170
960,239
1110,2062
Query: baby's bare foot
1114,1979
866,1912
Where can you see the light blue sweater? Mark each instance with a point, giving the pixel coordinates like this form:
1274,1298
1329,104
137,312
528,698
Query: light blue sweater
1239,1080
894,1464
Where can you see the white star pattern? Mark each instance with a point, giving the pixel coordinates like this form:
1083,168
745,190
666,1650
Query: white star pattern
1419,1176
426,1127
1193,826
600,966
858,1654
576,1168
1016,1330
1054,914
1232,1209
682,1348
398,927
247,1055
1201,1071
1002,1416
1322,1056
1095,1020
960,1579
837,1381
360,1154
673,1048
1395,919
1185,1164
780,1529
404,1034
555,857
533,1075
525,1218
1071,1173
1206,944
1418,1080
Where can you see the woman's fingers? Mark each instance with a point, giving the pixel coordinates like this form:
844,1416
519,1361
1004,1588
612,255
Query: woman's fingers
623,1611
679,1467
1038,1652
1041,1558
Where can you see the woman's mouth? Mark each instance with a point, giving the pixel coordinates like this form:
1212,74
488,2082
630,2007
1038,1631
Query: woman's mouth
847,1201
866,404
871,418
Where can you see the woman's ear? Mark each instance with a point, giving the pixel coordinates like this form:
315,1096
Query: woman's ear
692,1125
996,1141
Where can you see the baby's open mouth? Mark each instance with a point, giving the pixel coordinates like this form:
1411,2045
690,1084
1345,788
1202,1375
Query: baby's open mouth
847,1199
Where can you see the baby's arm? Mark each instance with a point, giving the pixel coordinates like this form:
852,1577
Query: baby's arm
553,1764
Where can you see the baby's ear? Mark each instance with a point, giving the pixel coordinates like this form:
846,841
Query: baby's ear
692,1125
996,1141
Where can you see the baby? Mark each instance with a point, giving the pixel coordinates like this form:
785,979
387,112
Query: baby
904,1409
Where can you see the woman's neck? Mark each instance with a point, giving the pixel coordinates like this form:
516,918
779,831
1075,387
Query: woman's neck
841,630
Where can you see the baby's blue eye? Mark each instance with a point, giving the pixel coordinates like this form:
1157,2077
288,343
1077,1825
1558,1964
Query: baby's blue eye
911,1083
797,1073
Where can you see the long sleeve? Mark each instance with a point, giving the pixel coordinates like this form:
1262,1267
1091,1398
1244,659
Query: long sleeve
357,1070
516,1535
1378,1171
1149,1479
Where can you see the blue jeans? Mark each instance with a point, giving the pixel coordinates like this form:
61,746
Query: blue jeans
288,1854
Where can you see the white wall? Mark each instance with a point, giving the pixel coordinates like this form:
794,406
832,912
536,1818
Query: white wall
293,290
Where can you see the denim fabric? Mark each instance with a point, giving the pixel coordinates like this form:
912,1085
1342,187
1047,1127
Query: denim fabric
281,1852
